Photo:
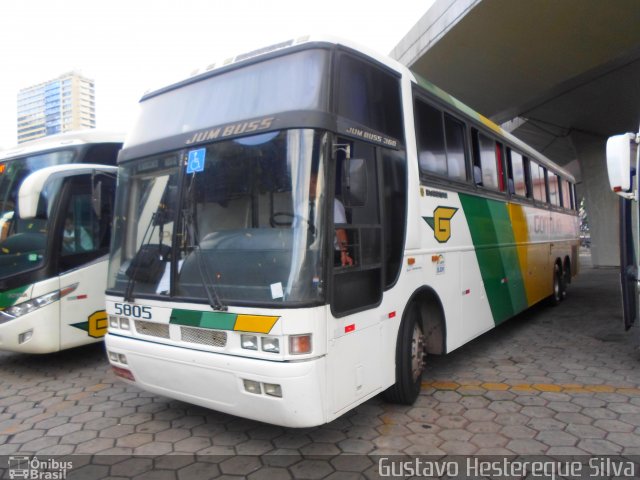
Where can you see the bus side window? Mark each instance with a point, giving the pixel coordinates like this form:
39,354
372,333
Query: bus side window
544,183
517,176
487,162
456,151
566,195
554,193
430,136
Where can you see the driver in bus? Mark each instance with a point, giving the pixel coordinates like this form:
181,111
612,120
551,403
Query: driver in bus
69,243
341,240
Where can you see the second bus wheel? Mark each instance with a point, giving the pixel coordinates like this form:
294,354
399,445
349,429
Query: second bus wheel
409,359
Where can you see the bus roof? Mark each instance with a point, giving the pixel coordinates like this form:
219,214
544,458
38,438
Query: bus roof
448,99
51,142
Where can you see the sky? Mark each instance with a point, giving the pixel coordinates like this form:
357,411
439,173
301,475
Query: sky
131,46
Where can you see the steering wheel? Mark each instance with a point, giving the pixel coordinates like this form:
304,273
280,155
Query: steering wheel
274,221
286,220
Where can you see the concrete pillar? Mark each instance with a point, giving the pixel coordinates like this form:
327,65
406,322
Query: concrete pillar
600,203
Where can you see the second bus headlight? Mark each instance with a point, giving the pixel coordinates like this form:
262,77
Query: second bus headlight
34,304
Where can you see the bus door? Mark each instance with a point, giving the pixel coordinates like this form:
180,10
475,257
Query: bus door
357,274
83,231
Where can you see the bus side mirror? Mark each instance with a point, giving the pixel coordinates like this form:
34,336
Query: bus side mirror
354,182
621,153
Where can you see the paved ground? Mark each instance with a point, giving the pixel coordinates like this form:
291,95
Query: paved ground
553,381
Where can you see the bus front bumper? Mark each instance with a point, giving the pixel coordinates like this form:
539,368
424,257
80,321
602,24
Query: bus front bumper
218,381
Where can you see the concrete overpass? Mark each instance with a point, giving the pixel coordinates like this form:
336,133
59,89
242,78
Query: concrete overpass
560,75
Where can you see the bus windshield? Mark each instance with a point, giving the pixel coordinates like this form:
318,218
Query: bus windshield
242,216
22,241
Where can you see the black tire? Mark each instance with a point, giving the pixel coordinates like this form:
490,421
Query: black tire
409,360
558,289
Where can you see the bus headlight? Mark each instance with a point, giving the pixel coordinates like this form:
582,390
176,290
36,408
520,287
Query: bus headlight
34,304
270,345
249,342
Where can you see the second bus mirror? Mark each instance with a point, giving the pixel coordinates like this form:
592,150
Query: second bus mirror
621,153
354,182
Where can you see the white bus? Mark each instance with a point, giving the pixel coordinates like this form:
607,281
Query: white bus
295,228
56,206
622,167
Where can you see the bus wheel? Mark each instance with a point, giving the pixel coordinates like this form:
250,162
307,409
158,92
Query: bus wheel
409,360
557,295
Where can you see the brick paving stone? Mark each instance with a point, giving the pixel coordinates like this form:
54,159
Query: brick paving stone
454,447
191,444
454,434
254,447
39,444
134,440
505,406
537,412
479,414
613,426
546,424
597,446
153,426
154,448
198,471
518,431
526,447
270,473
116,431
624,408
556,438
586,431
131,467
452,421
356,446
311,469
78,437
511,419
319,450
483,427
94,446
489,440
624,439
27,436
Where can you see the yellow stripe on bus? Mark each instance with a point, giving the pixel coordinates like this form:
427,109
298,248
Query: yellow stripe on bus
255,323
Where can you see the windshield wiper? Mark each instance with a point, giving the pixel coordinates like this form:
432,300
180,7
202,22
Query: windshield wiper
148,264
207,283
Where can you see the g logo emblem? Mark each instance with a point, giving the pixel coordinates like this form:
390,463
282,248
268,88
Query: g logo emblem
440,223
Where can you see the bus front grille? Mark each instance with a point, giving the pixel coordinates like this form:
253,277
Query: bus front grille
213,338
152,329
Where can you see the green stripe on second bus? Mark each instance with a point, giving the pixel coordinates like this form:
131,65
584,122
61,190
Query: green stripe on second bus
495,246
10,297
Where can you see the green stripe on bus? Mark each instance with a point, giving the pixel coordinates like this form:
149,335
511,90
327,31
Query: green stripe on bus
194,318
494,244
8,298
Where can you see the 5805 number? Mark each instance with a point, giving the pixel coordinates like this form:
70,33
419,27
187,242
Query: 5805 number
135,311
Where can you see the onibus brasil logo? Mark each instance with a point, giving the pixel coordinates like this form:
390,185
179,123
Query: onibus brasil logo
440,223
31,468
